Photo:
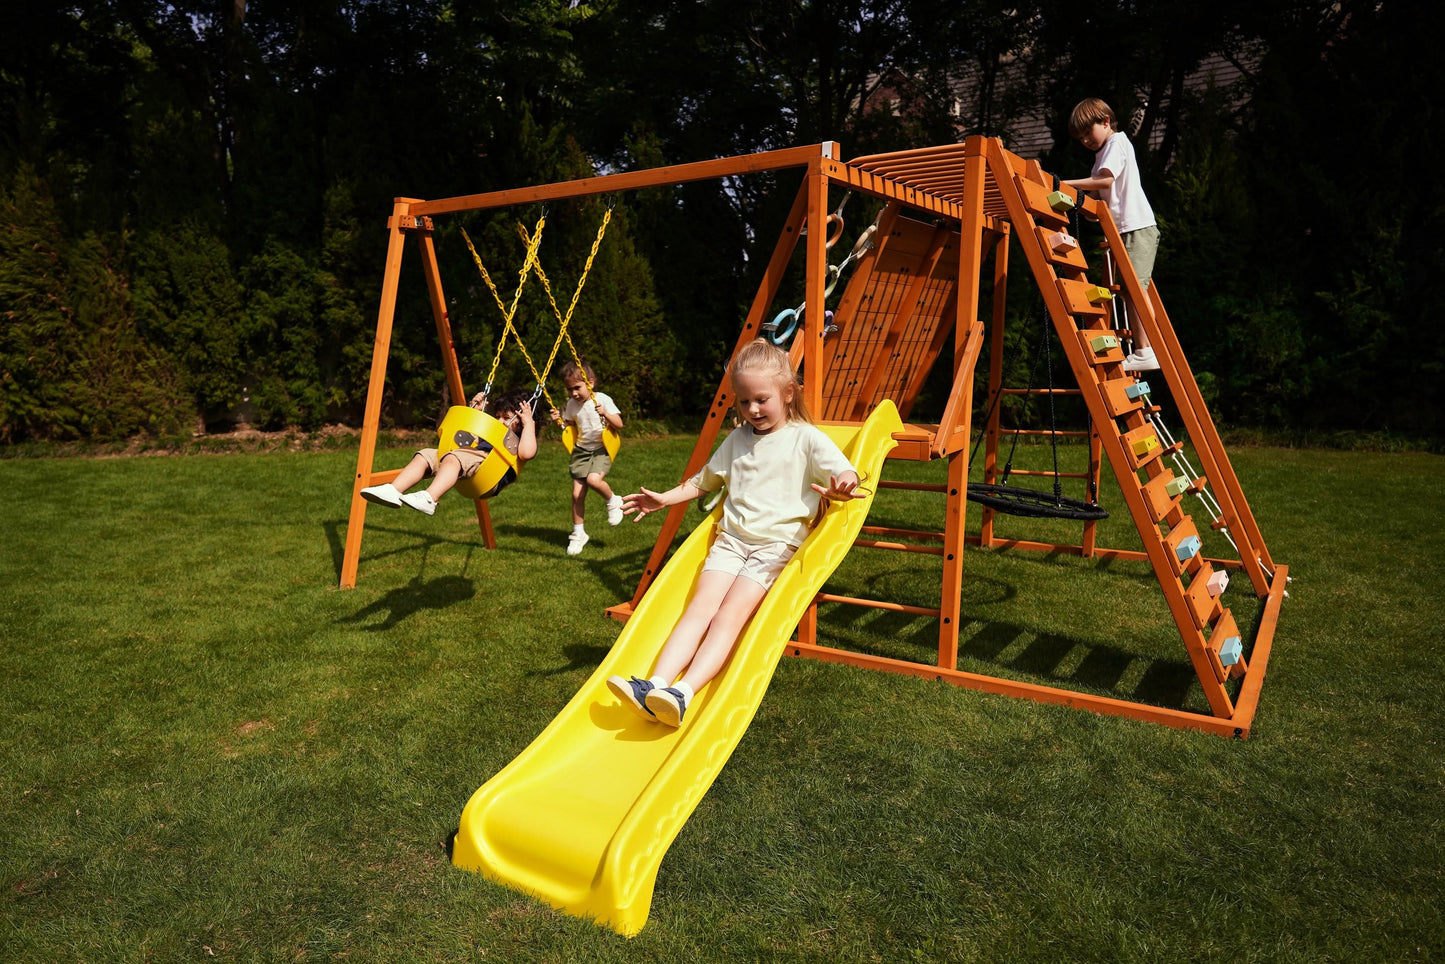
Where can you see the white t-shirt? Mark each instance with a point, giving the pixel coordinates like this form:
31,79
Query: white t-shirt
769,498
589,423
1125,197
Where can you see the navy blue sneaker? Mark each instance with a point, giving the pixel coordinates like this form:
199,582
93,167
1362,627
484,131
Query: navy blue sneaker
667,704
632,692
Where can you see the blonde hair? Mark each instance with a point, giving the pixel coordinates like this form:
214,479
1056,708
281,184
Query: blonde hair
762,358
1087,113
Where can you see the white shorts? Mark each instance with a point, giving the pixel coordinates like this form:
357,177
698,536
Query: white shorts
760,563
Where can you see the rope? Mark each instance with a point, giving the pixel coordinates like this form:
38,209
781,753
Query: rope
1028,392
1023,501
1053,428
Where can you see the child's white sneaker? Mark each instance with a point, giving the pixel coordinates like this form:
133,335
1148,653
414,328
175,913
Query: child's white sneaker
421,502
575,542
384,494
1142,360
614,510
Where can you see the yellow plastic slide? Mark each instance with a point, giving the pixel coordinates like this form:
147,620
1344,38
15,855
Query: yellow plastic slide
583,816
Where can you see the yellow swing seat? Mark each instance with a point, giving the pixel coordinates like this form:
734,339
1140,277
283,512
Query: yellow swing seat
465,427
611,441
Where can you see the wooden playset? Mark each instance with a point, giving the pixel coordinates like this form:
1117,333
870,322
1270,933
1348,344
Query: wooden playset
914,281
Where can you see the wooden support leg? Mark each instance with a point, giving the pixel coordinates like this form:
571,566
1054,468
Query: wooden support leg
948,606
381,348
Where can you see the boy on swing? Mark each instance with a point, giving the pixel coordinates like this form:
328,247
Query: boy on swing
590,413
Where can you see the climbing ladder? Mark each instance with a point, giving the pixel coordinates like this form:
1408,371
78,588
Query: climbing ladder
1130,430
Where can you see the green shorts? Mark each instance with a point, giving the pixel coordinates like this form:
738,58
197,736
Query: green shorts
1141,246
585,462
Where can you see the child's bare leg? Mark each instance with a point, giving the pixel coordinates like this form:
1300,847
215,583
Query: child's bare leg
579,498
687,635
447,475
737,608
1141,340
414,472
598,483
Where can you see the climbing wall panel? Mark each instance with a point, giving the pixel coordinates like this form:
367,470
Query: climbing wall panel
889,315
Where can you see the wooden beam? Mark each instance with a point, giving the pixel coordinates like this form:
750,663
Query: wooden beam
633,180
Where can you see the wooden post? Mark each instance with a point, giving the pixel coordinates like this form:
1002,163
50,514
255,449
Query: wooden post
817,254
381,349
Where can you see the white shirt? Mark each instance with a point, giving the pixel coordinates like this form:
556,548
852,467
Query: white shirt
769,498
589,423
1125,197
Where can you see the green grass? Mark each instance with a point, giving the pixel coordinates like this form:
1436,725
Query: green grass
211,753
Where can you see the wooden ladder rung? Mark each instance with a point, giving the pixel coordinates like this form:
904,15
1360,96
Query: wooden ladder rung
1044,472
1041,391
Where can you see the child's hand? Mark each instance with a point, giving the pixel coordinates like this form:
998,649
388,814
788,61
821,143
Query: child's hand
556,415
526,413
642,503
479,401
840,490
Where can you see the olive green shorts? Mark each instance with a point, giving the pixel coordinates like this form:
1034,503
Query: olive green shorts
1141,246
587,461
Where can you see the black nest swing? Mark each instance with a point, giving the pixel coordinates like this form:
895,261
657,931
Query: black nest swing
1021,501
1016,500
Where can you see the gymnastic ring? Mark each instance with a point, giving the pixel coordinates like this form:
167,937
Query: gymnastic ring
832,281
779,335
864,242
835,229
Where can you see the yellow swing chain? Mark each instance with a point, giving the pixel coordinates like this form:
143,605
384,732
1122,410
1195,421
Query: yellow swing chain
508,314
564,321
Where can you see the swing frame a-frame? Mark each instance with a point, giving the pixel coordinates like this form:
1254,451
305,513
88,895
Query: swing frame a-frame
893,324
413,217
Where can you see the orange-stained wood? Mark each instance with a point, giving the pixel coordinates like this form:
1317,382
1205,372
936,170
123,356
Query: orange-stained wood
633,180
371,421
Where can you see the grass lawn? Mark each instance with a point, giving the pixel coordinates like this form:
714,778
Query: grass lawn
211,753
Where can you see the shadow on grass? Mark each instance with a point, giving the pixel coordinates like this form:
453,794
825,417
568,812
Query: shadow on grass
579,656
1011,651
404,601
617,572
334,529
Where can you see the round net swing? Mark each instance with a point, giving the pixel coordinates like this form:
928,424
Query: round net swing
1020,501
1016,500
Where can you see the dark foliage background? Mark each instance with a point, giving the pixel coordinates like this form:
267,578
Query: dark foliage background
193,194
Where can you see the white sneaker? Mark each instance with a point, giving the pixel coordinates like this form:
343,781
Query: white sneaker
421,502
614,510
1142,360
384,494
575,542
